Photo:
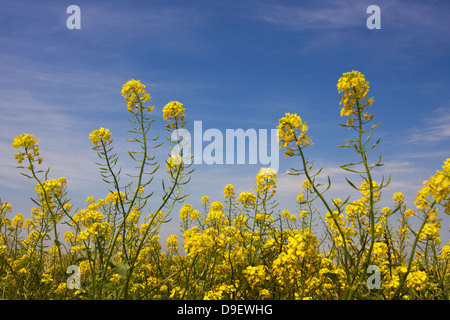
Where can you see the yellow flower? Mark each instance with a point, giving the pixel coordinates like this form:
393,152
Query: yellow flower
134,93
18,220
113,197
408,213
302,245
255,275
173,162
354,87
30,145
216,212
102,136
46,278
265,179
195,214
365,191
446,252
185,211
228,191
173,110
430,231
216,206
265,294
438,187
205,199
28,223
5,208
52,187
62,287
303,214
240,221
172,242
306,185
379,249
291,128
69,236
417,280
246,198
398,198
134,216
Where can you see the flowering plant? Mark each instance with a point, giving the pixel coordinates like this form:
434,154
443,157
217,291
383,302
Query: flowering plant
243,247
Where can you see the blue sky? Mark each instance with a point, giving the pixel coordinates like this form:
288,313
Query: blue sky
233,64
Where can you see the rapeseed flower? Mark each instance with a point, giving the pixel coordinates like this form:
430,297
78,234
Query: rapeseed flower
417,280
52,187
18,221
30,145
354,87
172,242
134,93
236,249
246,198
205,200
291,129
438,187
185,211
265,180
398,198
173,110
99,137
228,191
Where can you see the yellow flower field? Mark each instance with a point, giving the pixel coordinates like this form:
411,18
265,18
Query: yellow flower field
243,247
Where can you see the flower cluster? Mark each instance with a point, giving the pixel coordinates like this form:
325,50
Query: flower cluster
173,111
100,137
265,180
246,198
291,129
135,95
243,247
31,149
228,191
52,188
438,187
354,87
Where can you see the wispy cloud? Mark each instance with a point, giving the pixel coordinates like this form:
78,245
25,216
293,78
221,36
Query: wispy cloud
305,16
403,24
434,128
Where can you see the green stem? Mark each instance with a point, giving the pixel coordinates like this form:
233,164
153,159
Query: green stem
319,194
371,204
411,257
52,215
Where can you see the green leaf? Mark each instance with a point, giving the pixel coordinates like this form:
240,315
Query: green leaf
332,276
351,183
122,268
81,259
110,286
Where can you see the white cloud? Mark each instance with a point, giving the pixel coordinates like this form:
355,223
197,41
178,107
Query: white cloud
434,128
304,17
307,15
